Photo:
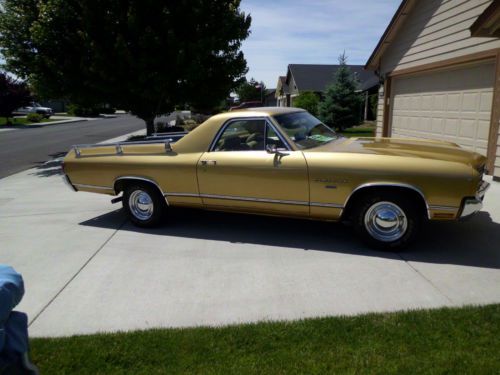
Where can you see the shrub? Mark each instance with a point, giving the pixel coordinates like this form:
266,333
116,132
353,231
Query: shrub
34,117
82,111
190,125
107,110
309,101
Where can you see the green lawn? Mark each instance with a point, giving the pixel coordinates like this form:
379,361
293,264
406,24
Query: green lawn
451,341
21,121
360,131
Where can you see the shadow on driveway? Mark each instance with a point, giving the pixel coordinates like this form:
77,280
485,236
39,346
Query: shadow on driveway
474,242
52,167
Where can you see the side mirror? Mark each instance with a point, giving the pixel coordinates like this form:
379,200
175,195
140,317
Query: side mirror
168,146
271,149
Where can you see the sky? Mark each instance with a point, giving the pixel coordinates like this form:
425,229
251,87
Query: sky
311,32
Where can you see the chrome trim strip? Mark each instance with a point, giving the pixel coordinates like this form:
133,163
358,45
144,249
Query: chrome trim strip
93,187
391,184
329,205
250,199
182,195
118,146
262,200
141,179
444,208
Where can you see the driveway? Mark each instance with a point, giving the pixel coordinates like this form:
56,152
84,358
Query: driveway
88,270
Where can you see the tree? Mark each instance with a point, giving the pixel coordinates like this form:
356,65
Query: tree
146,56
341,107
13,94
252,90
308,100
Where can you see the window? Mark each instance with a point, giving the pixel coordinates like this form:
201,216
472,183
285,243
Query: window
305,129
249,135
274,140
242,135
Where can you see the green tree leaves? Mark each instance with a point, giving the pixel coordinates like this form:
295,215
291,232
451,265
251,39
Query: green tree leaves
309,101
146,56
341,106
13,95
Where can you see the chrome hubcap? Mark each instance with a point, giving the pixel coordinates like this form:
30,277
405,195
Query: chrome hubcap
141,205
386,221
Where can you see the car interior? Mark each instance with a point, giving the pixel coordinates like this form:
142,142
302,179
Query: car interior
248,135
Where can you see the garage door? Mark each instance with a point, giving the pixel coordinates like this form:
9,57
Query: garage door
452,105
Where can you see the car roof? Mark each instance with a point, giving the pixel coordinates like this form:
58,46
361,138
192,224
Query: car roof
268,111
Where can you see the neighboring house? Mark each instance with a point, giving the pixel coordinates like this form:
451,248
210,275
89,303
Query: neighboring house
307,77
282,93
440,64
270,98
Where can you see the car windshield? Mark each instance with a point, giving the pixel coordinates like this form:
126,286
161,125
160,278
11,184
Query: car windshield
35,104
305,129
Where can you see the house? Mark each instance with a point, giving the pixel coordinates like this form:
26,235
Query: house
270,98
282,93
313,77
439,61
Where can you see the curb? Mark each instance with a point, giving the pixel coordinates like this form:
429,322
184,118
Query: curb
41,124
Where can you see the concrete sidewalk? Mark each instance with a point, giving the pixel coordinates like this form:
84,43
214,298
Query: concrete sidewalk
88,270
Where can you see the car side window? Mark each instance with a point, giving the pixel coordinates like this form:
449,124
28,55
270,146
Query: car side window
272,139
242,135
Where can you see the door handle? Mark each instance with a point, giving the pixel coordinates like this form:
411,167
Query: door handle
208,162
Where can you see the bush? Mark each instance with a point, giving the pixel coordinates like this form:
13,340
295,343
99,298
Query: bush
190,125
34,117
107,110
83,111
309,101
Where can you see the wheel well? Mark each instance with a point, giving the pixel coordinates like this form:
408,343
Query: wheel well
122,183
414,195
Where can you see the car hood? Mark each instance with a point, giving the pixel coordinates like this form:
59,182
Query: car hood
406,147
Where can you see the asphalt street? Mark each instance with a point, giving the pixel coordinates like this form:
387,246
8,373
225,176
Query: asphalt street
21,149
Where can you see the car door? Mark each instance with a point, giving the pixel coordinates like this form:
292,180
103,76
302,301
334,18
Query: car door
238,173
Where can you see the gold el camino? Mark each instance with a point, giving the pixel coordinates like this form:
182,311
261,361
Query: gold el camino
285,162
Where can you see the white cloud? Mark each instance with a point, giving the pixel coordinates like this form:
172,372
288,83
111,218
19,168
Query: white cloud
311,32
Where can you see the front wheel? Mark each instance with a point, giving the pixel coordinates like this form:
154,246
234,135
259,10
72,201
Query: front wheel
387,222
144,205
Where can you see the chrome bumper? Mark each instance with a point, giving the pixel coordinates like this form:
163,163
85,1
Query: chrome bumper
68,183
472,205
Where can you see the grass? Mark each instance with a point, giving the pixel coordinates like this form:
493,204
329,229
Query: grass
458,340
22,121
359,131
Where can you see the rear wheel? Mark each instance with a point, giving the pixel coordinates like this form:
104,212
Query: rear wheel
387,221
144,205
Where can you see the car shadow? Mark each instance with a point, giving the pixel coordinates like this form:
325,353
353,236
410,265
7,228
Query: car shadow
468,243
52,167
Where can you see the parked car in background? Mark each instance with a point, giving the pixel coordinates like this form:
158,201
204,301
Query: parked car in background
244,105
285,162
35,107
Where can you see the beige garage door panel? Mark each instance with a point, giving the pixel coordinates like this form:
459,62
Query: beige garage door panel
452,105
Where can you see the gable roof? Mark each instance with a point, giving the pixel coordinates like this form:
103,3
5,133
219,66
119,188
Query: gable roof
313,77
282,86
389,33
488,23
